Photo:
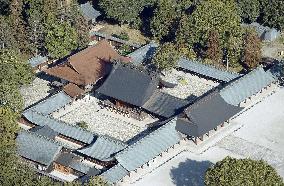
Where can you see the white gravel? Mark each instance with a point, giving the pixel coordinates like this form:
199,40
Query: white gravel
34,92
101,121
188,86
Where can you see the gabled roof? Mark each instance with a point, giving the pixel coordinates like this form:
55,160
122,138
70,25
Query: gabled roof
115,174
246,86
44,131
206,70
164,104
149,147
75,162
103,148
88,65
206,114
37,60
144,53
129,84
89,12
73,90
37,148
65,129
52,103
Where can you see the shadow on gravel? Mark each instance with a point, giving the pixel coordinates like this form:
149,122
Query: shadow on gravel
190,173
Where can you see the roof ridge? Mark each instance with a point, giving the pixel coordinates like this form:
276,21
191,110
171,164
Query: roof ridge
41,136
208,65
147,136
109,138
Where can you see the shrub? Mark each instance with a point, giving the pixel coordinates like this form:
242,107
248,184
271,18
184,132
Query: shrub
231,171
82,124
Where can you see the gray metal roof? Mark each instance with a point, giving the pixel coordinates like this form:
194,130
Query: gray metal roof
129,84
164,104
52,103
205,114
37,60
89,12
246,86
65,129
37,148
103,148
144,53
44,131
115,174
108,37
271,35
206,70
149,147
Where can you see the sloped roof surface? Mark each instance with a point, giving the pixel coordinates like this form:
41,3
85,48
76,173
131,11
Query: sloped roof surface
60,127
89,12
37,148
129,84
72,90
103,148
144,53
149,147
164,104
206,70
115,174
44,131
206,114
37,60
88,65
75,162
246,86
52,103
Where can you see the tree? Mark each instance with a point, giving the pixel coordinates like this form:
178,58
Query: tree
272,13
61,38
214,51
7,39
97,181
18,26
164,17
231,171
252,49
124,11
219,15
166,57
250,10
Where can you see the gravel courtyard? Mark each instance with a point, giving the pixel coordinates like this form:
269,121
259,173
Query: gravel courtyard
261,137
188,84
102,121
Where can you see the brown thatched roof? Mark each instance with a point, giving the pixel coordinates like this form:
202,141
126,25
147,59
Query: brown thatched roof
73,90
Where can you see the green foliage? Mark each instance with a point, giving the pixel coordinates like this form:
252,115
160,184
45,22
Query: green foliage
231,171
125,49
122,35
252,49
7,39
249,9
218,15
61,38
97,181
166,57
187,52
273,13
82,124
214,51
124,11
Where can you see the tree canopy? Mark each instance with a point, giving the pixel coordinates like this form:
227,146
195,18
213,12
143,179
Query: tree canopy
252,49
166,57
231,171
249,9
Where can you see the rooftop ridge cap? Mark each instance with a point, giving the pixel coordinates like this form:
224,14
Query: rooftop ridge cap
242,78
52,118
43,137
147,136
109,138
208,65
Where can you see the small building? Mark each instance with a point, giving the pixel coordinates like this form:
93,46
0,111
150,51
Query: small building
86,67
102,150
133,91
271,34
38,62
89,13
39,150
